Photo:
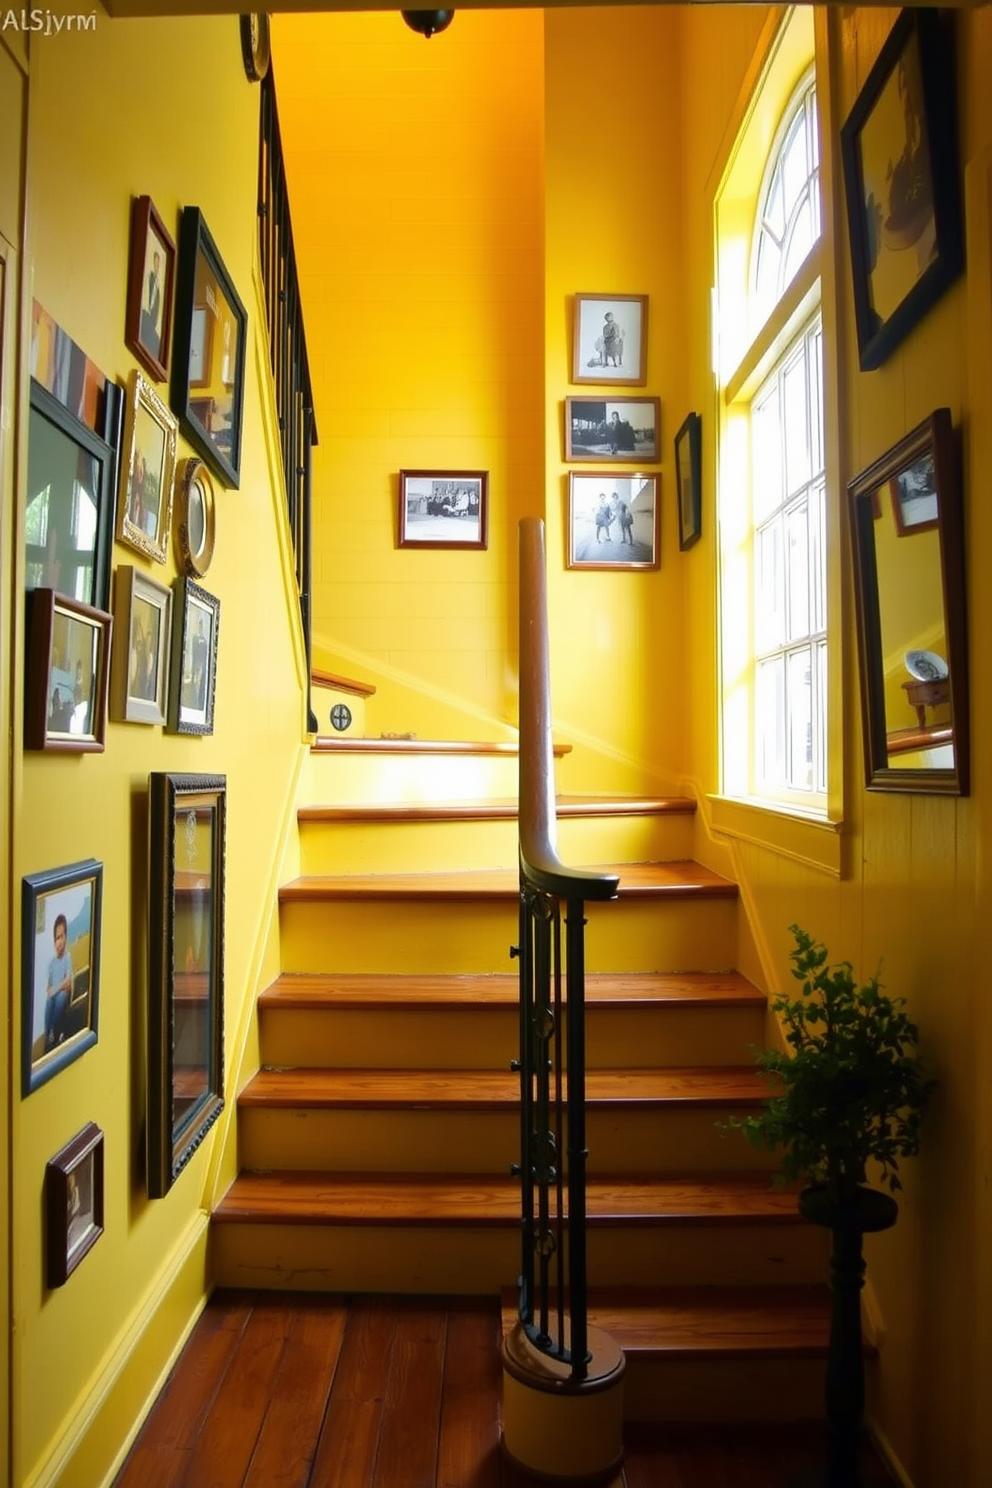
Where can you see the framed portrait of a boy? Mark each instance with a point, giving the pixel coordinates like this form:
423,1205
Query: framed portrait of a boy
609,339
150,284
60,955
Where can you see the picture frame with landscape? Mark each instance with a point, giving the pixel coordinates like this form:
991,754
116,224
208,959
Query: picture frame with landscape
147,471
60,960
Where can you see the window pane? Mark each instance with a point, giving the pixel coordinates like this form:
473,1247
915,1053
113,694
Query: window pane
766,457
797,537
769,597
802,235
795,171
820,695
769,700
797,455
800,691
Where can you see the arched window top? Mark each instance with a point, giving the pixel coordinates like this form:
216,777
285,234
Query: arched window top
788,218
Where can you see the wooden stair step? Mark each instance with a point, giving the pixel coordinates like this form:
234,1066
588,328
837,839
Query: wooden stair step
681,879
409,745
493,1090
497,809
378,992
474,1200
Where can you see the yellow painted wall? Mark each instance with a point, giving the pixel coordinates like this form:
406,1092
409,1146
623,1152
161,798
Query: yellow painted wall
416,184
164,108
913,889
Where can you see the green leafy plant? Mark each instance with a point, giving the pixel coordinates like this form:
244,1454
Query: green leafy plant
851,1089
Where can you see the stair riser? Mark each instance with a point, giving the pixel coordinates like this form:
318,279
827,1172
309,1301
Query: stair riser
428,779
616,1038
636,934
399,1259
323,699
441,1141
424,847
745,1389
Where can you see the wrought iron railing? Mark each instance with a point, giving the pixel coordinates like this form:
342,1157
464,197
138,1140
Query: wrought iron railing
553,1280
287,349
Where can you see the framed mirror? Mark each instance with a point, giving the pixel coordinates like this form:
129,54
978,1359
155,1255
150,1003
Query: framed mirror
185,969
908,539
208,366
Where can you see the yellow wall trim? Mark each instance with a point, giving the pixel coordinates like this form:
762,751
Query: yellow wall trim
812,841
90,1449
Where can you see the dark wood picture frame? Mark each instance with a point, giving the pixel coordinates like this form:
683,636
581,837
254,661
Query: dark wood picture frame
689,480
610,339
208,364
59,1022
60,446
614,430
185,969
150,288
613,521
139,666
904,221
912,594
73,1203
193,684
443,509
67,668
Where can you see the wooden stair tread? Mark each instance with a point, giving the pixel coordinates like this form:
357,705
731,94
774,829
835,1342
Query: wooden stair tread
680,879
492,1090
369,992
497,809
709,1322
319,678
327,744
485,1200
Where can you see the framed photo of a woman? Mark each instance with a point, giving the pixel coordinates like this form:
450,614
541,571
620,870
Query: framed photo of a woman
148,466
60,954
139,676
151,277
195,624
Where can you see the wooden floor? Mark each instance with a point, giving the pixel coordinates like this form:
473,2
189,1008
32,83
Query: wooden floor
306,1391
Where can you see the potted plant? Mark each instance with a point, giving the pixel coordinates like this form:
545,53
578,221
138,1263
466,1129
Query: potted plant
849,1091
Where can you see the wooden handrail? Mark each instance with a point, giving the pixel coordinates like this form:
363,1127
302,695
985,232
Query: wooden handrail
540,865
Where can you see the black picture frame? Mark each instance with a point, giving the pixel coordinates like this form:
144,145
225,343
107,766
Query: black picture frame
73,1203
208,361
904,113
69,463
688,479
193,665
186,832
56,1030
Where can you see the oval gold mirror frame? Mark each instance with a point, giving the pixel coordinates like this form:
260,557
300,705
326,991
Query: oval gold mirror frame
195,517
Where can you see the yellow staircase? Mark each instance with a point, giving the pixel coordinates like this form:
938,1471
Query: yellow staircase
377,1138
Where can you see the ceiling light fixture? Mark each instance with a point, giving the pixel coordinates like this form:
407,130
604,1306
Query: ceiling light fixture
426,22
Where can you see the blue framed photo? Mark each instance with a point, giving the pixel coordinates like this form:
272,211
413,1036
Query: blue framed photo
60,953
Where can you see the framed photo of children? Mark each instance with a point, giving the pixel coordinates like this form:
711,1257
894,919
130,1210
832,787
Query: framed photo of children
688,448
139,671
148,466
610,339
66,673
73,1203
150,281
60,956
443,509
627,430
613,521
195,624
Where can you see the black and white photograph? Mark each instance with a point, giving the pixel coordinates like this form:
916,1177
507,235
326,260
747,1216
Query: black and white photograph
609,341
613,521
627,430
914,496
443,509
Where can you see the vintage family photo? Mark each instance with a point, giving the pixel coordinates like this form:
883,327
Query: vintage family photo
612,521
443,509
61,933
596,429
609,339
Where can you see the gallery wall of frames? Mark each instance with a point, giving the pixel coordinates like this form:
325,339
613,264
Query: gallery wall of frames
121,628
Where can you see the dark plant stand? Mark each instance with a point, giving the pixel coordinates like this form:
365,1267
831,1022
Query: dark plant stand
867,1211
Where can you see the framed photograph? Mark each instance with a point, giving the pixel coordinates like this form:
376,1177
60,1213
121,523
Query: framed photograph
915,503
69,519
613,521
208,366
195,624
194,518
60,968
73,1203
899,152
610,339
139,667
66,673
628,430
688,476
443,509
148,467
150,282
186,969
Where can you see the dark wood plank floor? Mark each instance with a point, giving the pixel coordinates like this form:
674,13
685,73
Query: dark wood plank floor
306,1391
